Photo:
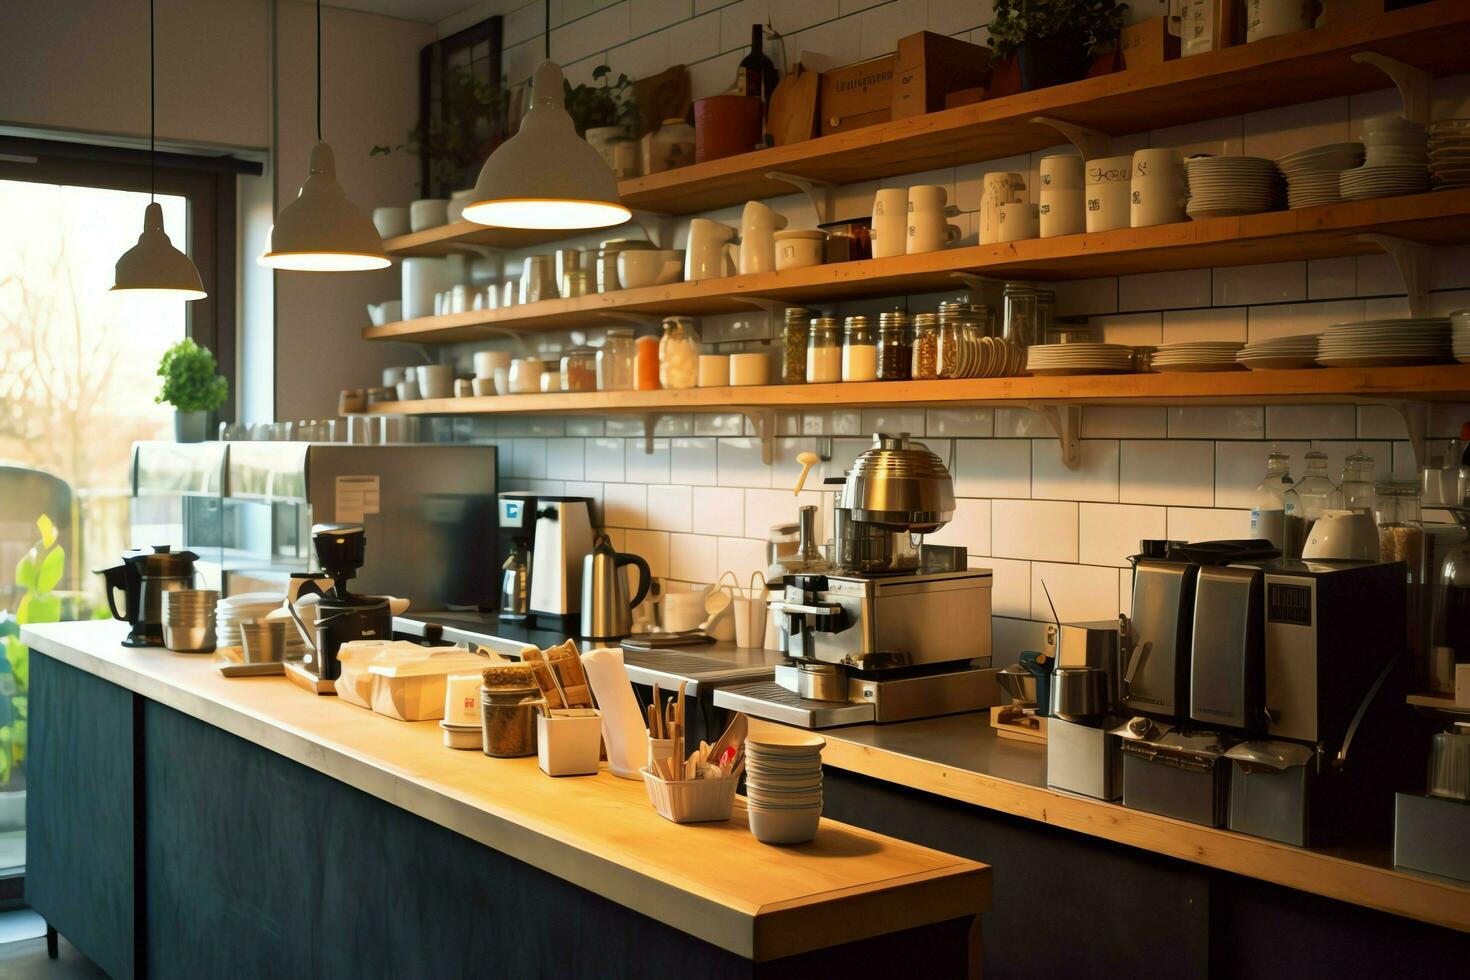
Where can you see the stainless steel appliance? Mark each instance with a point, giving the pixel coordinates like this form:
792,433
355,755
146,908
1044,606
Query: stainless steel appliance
1082,753
607,612
1084,758
341,615
1273,790
898,630
516,517
144,576
1175,773
1227,660
562,540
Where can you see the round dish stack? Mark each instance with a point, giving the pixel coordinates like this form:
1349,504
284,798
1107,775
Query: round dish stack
1224,186
1460,335
1396,160
1085,358
783,785
1198,355
1313,176
1280,353
1385,343
248,607
1449,153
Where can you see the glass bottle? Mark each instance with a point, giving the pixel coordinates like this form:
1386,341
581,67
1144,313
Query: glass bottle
793,345
859,350
1357,482
926,347
1269,517
823,351
895,348
615,360
1020,315
1315,492
757,74
678,353
647,364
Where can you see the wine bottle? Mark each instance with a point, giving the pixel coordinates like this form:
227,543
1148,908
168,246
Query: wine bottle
757,73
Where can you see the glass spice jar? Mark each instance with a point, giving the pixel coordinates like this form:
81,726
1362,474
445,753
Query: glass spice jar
926,347
823,351
678,353
793,345
646,363
579,370
895,348
1021,316
956,335
859,350
615,360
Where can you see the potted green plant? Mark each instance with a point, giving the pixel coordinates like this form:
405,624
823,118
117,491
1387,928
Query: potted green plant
193,386
469,125
1053,41
37,575
605,112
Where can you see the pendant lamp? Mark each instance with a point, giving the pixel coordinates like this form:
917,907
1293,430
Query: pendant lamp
153,268
323,231
546,176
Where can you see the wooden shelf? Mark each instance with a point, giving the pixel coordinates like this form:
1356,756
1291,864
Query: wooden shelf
1443,382
1277,71
1306,233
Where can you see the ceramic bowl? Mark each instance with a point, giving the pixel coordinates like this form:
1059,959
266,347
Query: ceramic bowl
650,267
1343,535
784,826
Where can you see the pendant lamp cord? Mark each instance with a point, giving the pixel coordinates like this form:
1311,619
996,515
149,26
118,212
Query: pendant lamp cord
319,70
547,34
152,112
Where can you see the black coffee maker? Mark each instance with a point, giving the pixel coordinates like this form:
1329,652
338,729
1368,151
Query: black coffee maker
341,616
143,577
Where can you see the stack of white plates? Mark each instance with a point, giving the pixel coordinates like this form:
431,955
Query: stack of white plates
1396,160
1059,359
783,785
1197,355
1312,176
1221,186
1460,335
1449,153
1383,343
1280,353
248,607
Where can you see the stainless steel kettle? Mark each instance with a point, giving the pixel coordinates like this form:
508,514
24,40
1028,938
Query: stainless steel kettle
607,612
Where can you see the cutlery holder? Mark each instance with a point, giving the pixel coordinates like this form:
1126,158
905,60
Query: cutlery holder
691,800
569,745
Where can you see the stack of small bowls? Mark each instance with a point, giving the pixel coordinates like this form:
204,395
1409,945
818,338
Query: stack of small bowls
188,620
783,785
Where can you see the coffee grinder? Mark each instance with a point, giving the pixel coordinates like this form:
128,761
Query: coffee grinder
341,616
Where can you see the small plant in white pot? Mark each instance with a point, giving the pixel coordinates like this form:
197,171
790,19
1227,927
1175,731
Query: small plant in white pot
193,386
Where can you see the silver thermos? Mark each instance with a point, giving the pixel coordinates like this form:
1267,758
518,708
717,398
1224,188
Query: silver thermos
607,612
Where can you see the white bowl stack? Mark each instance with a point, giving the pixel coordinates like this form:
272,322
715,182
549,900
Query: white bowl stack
1396,160
1313,176
783,785
1449,153
1197,355
1085,358
1224,186
1386,343
1280,353
1460,335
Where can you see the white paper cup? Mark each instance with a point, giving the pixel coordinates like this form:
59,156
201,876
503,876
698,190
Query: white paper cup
462,699
714,370
1062,212
1019,222
748,369
486,361
750,623
1062,172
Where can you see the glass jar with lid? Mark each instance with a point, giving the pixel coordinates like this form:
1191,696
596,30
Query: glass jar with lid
823,351
926,347
895,346
1357,482
859,350
646,365
793,345
579,369
1315,491
678,353
615,360
1046,314
958,340
1021,315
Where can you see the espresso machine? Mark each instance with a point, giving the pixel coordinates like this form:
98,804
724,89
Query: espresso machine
546,539
516,516
894,629
341,615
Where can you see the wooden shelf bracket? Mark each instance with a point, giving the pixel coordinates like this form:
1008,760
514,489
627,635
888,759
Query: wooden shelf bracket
764,421
1089,142
1414,262
1412,83
818,192
1066,422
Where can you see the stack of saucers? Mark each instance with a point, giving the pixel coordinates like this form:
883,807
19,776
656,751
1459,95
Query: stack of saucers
1197,355
248,607
1385,343
1312,176
783,785
1222,186
1460,335
1396,160
1084,358
1449,153
1280,353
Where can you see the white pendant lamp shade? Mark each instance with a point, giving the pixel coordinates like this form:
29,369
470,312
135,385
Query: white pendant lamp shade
546,176
153,268
322,231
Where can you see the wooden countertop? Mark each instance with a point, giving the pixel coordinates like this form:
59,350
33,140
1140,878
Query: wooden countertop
713,881
958,757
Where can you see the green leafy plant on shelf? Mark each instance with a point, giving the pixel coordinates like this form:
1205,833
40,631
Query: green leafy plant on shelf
604,103
191,379
37,574
469,126
1054,40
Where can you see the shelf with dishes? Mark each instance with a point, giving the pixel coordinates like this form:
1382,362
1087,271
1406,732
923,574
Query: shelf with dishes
1276,71
1325,231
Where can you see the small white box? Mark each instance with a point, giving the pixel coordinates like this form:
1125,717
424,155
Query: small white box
569,744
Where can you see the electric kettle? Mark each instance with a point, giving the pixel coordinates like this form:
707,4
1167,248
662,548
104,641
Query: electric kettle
144,575
607,612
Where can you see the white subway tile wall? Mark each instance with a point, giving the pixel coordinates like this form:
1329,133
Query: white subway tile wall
702,503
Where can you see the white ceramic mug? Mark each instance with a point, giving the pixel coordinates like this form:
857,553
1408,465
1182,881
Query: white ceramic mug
1062,172
758,227
709,255
714,370
997,189
928,197
799,249
1019,222
483,387
422,280
407,391
889,232
486,361
391,222
1157,189
1108,181
428,212
435,380
391,376
1062,212
748,369
463,388
524,376
1268,18
929,232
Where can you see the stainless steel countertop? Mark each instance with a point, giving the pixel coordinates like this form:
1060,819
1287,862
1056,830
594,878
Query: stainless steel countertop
965,742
